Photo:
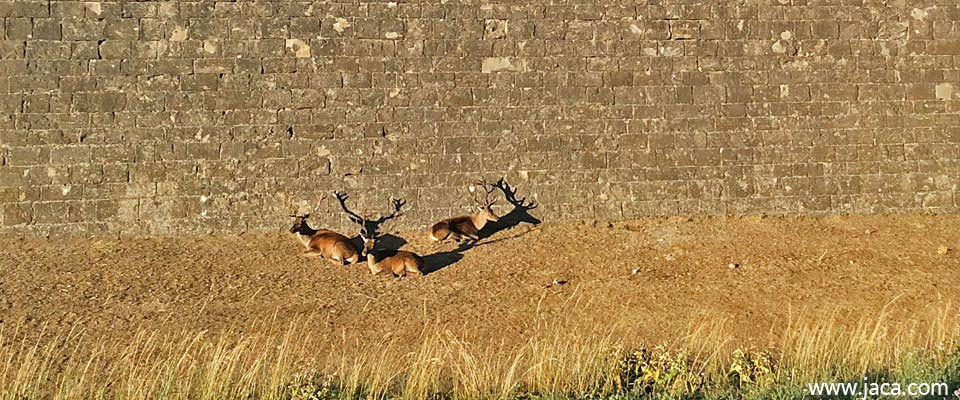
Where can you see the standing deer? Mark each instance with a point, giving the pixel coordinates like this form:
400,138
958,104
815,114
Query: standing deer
323,243
467,226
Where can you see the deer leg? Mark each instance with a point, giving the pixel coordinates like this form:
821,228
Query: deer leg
312,254
414,270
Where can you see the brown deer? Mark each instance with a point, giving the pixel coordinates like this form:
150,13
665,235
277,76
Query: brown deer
323,243
396,262
467,226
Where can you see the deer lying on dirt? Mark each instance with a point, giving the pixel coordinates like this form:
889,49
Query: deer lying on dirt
467,226
396,262
323,243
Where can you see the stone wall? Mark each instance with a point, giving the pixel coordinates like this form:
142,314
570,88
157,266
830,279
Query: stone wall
176,117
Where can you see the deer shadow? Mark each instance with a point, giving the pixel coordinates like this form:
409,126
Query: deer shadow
386,242
371,227
520,214
440,260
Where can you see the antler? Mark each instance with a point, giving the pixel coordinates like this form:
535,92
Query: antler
316,208
368,226
397,205
371,227
511,196
320,199
342,197
488,189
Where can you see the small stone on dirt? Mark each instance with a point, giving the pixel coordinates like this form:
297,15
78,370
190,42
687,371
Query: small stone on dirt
733,265
556,282
943,250
559,282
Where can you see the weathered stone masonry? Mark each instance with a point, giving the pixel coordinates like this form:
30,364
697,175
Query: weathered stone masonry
175,117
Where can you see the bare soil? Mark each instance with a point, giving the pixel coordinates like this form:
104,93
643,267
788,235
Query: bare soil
653,277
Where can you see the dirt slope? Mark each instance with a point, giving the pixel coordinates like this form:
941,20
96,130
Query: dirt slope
652,276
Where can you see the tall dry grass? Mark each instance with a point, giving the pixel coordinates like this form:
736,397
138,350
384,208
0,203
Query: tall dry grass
559,357
816,344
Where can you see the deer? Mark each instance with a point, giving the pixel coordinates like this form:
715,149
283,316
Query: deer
396,262
467,226
323,243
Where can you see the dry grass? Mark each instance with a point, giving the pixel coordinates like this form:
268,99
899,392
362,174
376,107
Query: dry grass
560,357
813,345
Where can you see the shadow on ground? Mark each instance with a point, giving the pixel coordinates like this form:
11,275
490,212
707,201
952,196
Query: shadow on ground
520,214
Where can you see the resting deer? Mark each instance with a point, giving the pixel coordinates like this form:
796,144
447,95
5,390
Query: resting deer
397,262
323,243
467,226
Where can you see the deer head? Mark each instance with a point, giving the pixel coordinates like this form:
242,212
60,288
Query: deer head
300,224
485,206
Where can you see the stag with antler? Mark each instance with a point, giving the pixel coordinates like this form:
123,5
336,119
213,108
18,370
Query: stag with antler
468,227
323,243
396,262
